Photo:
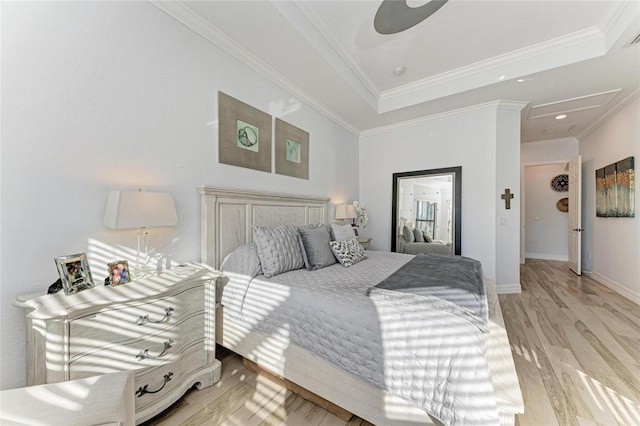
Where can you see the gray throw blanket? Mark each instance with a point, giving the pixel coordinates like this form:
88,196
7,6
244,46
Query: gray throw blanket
456,279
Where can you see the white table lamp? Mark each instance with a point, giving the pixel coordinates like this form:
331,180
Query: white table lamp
142,210
345,212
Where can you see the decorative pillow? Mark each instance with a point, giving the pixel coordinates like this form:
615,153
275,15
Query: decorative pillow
315,246
419,236
427,238
408,235
348,252
243,260
342,231
278,249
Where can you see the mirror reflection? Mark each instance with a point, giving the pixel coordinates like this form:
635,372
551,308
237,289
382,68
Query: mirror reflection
426,211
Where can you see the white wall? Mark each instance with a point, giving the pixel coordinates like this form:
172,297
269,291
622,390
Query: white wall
612,243
118,95
551,151
467,138
546,226
507,157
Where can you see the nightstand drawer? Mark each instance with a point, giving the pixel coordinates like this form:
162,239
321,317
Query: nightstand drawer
152,351
151,384
132,322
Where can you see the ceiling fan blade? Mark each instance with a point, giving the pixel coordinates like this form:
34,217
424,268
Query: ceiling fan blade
394,16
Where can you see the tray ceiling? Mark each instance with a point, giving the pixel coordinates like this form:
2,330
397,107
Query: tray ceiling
559,56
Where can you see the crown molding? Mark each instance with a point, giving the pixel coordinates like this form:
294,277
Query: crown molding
493,105
471,76
635,92
196,23
619,21
369,91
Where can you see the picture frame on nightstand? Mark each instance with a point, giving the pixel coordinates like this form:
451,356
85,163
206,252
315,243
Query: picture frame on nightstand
119,272
74,273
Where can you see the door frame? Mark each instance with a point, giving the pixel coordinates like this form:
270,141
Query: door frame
523,198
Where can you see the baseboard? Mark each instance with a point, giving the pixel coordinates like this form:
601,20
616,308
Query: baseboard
508,288
617,287
559,257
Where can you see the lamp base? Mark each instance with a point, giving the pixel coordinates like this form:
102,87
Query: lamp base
142,272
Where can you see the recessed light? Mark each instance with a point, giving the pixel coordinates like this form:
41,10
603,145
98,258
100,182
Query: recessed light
561,116
502,77
399,70
520,80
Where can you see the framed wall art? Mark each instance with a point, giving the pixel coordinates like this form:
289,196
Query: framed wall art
292,150
615,189
244,134
74,273
118,272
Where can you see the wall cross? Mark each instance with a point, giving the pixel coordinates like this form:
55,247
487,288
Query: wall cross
507,196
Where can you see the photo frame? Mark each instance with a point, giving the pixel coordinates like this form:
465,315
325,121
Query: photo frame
244,134
74,273
119,272
292,150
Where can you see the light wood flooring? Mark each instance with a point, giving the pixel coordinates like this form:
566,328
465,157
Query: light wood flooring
575,343
576,347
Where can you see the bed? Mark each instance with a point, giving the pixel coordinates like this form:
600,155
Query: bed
227,219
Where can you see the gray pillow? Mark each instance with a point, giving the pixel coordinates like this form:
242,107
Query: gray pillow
278,249
419,236
427,239
348,252
407,233
243,260
315,246
342,231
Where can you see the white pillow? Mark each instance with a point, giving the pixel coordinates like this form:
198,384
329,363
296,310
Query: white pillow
348,252
243,260
342,231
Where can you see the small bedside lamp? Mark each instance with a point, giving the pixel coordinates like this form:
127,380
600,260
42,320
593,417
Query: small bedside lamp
142,210
345,212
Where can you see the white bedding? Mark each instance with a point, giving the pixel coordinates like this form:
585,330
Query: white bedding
426,355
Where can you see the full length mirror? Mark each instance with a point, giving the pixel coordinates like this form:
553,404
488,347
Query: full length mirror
425,215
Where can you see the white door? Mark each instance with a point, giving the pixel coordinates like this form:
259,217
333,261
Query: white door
575,215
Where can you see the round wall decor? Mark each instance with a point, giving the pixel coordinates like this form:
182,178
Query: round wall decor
560,183
563,205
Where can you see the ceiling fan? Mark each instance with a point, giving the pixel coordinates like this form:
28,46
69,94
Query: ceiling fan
394,16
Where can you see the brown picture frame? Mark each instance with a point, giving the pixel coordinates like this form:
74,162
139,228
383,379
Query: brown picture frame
119,272
292,150
244,134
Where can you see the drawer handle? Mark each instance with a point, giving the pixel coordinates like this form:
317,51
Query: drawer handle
145,354
142,390
142,320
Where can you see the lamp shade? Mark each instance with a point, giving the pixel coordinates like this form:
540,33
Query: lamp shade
139,209
345,211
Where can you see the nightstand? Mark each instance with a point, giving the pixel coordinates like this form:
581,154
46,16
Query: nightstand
161,327
364,242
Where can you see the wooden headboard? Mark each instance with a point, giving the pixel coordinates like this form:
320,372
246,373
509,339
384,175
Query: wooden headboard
228,214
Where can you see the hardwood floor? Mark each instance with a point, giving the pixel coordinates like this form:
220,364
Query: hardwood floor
241,398
576,347
575,343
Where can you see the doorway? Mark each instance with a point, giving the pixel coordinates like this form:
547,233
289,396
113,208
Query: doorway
545,218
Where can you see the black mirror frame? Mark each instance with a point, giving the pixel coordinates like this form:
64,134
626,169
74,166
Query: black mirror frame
457,207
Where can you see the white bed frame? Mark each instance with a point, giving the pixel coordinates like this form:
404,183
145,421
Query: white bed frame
227,218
